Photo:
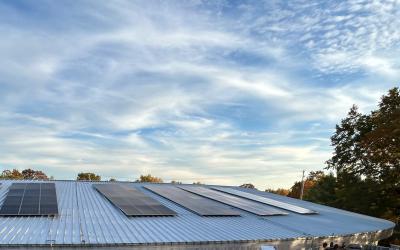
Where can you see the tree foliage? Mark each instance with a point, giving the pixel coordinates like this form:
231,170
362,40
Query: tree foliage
26,174
367,161
149,178
309,182
176,182
248,185
88,177
280,191
323,190
367,158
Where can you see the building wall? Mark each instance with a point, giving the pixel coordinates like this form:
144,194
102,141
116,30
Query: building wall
298,244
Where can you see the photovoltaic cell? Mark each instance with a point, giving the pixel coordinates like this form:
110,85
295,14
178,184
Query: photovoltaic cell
30,199
131,201
195,203
234,201
265,200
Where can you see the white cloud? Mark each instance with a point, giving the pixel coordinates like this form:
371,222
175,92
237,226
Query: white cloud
129,89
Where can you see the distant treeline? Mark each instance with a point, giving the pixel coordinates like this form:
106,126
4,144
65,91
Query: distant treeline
31,174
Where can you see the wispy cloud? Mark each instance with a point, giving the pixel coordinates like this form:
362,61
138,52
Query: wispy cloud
194,91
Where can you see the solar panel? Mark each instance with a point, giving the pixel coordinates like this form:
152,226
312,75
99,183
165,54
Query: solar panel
131,201
234,201
30,199
48,199
265,200
195,203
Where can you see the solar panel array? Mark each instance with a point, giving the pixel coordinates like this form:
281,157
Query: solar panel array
244,204
195,203
30,199
131,201
265,200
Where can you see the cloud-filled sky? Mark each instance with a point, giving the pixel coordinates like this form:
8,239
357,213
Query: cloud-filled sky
226,92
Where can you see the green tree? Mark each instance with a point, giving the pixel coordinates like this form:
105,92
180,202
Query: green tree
149,178
367,160
367,151
88,177
323,190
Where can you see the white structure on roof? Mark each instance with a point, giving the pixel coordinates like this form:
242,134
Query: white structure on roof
87,219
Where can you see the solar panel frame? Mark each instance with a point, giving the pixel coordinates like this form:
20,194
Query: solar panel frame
265,200
24,199
192,202
132,202
234,201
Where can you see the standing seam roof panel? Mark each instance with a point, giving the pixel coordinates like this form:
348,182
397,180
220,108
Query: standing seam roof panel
83,212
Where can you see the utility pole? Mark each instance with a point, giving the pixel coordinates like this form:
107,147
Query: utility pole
302,186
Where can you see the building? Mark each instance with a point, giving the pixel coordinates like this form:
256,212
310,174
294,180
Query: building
85,214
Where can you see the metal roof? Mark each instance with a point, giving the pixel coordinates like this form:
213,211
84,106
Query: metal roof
86,217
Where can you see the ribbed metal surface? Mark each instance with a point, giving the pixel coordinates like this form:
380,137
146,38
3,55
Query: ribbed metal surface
86,217
330,221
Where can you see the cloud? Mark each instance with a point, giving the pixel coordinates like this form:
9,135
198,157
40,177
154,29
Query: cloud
210,92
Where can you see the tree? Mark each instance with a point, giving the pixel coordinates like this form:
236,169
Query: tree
248,185
30,174
280,191
312,178
12,175
367,147
149,178
88,177
176,182
27,174
323,190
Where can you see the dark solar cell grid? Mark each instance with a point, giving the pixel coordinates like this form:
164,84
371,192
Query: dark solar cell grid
30,199
195,203
132,202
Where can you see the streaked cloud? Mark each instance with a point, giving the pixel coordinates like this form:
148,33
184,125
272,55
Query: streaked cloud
193,91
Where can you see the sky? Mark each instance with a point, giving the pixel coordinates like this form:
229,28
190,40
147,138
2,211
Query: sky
221,92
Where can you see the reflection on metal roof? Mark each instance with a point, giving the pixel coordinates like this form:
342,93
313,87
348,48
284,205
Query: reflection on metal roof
234,201
265,200
86,217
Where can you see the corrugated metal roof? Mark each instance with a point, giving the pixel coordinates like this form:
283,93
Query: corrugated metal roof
86,217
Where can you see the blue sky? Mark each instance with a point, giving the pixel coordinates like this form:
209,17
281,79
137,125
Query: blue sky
226,92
